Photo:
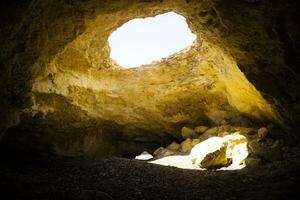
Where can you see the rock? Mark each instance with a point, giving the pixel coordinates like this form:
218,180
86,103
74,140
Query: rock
221,134
144,156
195,142
212,132
167,152
225,128
186,145
237,148
262,133
158,151
209,133
220,151
174,146
269,153
209,153
215,159
244,130
188,133
253,161
162,152
94,195
200,129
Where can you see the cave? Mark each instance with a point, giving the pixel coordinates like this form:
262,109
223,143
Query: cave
217,118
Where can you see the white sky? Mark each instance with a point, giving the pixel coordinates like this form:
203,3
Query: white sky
141,41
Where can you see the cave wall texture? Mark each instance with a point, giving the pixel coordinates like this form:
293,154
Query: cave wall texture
61,92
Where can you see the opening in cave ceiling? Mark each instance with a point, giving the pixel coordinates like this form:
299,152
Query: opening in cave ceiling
142,41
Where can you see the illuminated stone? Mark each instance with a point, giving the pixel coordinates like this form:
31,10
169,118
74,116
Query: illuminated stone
216,152
174,146
208,148
144,156
186,145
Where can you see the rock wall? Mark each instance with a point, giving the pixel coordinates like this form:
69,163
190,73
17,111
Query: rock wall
61,90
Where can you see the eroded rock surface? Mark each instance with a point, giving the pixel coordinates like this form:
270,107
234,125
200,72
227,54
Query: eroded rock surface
60,86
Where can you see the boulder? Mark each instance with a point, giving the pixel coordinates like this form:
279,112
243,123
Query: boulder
225,128
186,145
237,148
212,132
267,152
158,151
144,156
262,133
188,133
253,161
162,152
217,152
167,152
195,142
200,129
215,159
209,153
174,146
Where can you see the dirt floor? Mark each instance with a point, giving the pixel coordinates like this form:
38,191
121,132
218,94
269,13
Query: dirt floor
120,178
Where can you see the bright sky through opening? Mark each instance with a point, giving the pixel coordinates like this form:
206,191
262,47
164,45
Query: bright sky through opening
141,41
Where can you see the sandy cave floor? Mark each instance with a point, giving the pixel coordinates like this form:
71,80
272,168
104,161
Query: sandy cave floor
120,178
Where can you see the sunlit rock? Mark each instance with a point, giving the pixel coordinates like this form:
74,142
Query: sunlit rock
209,153
211,132
216,152
158,151
186,145
163,152
174,146
195,142
180,161
236,149
167,152
144,156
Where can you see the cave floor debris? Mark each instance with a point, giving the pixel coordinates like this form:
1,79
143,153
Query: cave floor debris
120,178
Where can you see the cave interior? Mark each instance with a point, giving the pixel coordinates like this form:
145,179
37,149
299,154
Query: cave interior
218,119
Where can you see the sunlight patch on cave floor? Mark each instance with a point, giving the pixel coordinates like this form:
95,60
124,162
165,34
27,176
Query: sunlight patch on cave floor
209,153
